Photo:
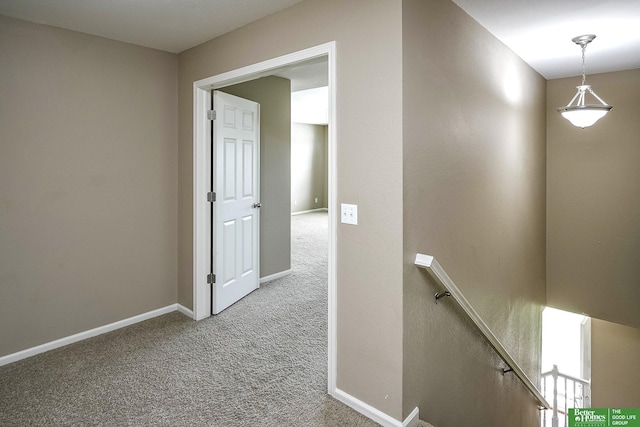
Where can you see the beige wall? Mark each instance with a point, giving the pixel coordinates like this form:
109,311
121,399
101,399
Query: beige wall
369,169
308,167
615,377
274,96
88,182
474,197
593,187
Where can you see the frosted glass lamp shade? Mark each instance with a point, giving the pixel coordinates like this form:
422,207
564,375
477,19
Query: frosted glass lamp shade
583,115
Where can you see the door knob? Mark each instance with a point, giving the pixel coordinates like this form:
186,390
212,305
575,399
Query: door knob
257,205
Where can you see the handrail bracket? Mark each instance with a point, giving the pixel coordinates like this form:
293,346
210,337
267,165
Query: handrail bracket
442,294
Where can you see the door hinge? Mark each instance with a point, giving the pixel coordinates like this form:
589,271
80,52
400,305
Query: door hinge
211,196
211,278
211,114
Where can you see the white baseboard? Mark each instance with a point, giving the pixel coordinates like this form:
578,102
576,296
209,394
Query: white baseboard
365,409
184,310
373,413
309,211
14,357
412,419
275,276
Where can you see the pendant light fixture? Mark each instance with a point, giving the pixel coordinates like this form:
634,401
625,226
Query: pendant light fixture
579,113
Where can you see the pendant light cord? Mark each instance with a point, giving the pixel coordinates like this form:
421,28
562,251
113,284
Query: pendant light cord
584,48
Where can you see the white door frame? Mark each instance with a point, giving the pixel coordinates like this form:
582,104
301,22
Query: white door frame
202,171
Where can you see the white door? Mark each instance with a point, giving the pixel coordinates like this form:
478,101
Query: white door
236,218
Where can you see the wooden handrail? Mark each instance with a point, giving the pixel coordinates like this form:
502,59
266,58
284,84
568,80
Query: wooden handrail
430,264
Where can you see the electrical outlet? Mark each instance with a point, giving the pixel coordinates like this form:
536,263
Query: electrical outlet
349,214
316,200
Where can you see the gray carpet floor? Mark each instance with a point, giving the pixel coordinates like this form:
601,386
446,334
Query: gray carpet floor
261,362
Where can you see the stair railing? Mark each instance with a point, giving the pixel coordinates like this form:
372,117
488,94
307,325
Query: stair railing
430,264
575,393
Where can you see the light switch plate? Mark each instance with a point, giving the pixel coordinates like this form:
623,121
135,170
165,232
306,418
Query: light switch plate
349,214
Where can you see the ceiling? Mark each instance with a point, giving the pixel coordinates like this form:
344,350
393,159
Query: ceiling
307,75
170,25
539,31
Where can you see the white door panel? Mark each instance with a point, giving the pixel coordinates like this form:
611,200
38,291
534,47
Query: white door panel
236,219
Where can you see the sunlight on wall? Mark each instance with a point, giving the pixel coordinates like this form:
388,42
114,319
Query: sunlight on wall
508,84
512,86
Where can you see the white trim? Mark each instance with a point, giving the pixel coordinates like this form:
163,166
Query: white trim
309,211
333,219
265,68
14,357
412,419
184,310
275,276
375,414
201,208
201,170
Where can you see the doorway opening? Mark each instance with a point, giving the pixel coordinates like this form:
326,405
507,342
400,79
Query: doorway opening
202,169
309,135
309,172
